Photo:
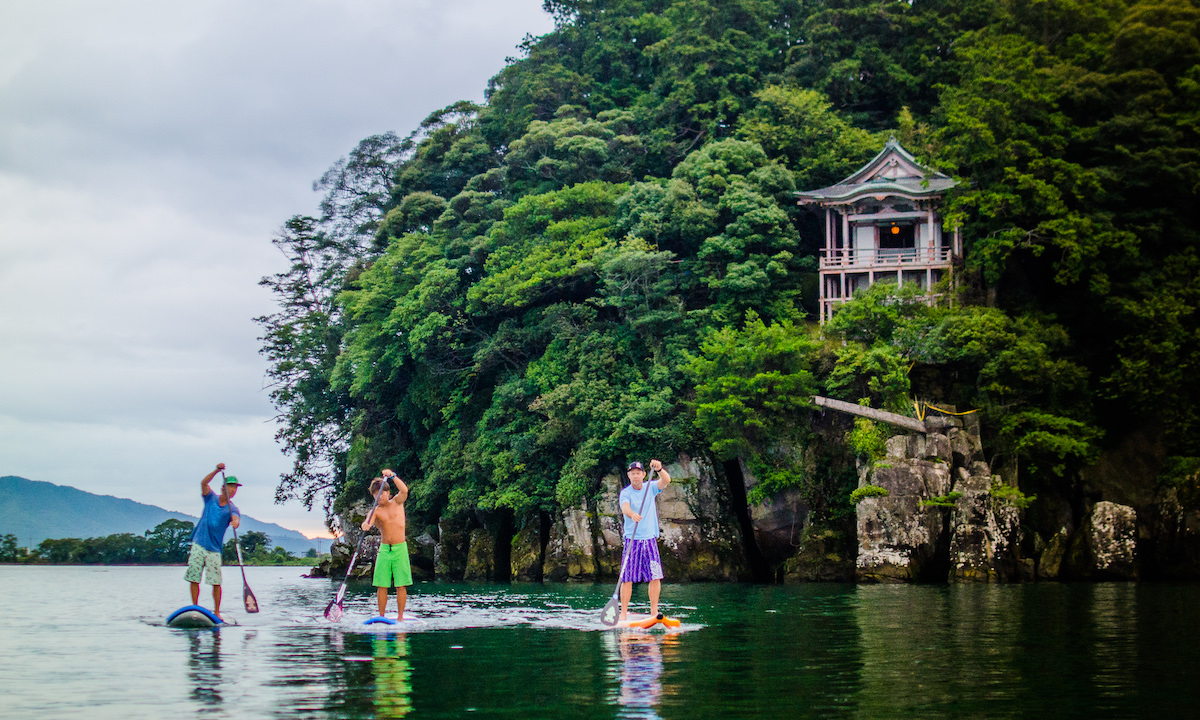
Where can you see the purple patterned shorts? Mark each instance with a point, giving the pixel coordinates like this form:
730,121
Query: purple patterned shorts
641,561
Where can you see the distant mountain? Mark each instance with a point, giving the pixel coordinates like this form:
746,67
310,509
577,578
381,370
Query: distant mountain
81,514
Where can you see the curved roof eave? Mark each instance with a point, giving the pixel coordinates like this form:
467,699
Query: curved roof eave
849,194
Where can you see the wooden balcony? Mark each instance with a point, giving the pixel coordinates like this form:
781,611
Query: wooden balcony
855,259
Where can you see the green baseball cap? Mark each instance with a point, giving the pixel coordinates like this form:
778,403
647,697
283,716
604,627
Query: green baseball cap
231,480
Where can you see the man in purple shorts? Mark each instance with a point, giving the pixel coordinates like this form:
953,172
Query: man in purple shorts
640,559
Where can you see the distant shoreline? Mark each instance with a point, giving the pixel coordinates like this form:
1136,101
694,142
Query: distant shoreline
80,564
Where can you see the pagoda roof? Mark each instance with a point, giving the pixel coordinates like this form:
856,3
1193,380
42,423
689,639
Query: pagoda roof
893,172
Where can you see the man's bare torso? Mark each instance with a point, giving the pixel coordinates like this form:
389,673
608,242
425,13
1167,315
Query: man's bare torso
389,517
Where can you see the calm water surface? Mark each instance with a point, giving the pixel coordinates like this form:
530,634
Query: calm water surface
89,642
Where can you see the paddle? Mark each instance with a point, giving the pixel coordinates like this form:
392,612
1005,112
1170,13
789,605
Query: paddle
335,609
612,610
247,594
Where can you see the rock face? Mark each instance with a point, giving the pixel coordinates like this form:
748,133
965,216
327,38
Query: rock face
899,536
527,553
983,531
1050,562
1106,544
825,555
1173,550
700,540
343,547
450,553
696,541
481,556
940,519
571,552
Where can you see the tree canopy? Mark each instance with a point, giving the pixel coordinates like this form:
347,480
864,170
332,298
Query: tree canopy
605,261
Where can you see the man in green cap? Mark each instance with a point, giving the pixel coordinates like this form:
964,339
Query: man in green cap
204,560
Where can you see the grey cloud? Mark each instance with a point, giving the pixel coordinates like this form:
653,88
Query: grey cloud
148,153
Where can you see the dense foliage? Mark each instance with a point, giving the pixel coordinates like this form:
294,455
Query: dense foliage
604,261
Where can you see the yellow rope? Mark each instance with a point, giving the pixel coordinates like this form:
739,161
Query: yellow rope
921,410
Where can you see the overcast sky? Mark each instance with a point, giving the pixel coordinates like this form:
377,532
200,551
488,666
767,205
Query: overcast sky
149,151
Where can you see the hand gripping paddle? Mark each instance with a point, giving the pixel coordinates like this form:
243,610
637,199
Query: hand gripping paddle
612,610
247,594
334,610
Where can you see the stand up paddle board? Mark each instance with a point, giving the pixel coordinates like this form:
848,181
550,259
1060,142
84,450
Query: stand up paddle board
645,622
380,620
194,616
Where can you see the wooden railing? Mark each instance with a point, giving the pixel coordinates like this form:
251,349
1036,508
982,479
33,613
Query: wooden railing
855,258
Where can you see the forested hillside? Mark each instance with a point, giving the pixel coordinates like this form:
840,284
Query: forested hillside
606,260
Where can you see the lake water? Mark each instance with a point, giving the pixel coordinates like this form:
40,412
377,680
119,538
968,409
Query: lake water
80,642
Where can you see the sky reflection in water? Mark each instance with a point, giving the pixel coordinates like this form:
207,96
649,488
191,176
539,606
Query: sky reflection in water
90,641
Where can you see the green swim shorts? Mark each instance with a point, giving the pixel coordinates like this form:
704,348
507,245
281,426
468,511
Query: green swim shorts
391,566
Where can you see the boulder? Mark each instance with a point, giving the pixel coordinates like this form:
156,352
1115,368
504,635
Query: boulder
569,553
899,539
481,556
936,422
450,553
937,448
1172,532
1105,546
341,551
824,555
984,532
527,553
965,448
778,522
1051,559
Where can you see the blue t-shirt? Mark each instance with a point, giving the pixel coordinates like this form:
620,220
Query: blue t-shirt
648,527
210,529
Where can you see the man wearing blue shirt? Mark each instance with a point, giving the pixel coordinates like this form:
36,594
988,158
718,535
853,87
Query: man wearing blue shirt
204,560
640,561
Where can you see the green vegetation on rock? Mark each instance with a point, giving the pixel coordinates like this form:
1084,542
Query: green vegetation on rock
605,261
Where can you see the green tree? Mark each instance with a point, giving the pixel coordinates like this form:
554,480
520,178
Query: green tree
170,541
8,548
254,544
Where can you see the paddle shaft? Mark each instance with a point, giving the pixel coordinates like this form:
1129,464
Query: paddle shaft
251,602
625,559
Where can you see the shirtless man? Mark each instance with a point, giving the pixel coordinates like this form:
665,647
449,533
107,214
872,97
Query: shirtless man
391,564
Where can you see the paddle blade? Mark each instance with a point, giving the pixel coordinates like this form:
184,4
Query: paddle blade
611,612
251,601
333,611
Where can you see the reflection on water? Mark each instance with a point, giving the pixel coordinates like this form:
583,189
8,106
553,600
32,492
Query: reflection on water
513,651
393,676
204,666
638,658
1114,620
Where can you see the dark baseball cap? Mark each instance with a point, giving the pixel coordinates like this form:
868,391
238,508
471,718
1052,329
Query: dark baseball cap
635,465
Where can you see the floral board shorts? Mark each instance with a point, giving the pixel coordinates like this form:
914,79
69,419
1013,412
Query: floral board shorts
204,563
640,561
391,566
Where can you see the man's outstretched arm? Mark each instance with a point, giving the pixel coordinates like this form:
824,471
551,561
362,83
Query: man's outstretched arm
401,488
204,488
663,478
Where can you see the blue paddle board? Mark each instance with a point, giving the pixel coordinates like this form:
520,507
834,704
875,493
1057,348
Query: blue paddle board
392,621
194,616
380,621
